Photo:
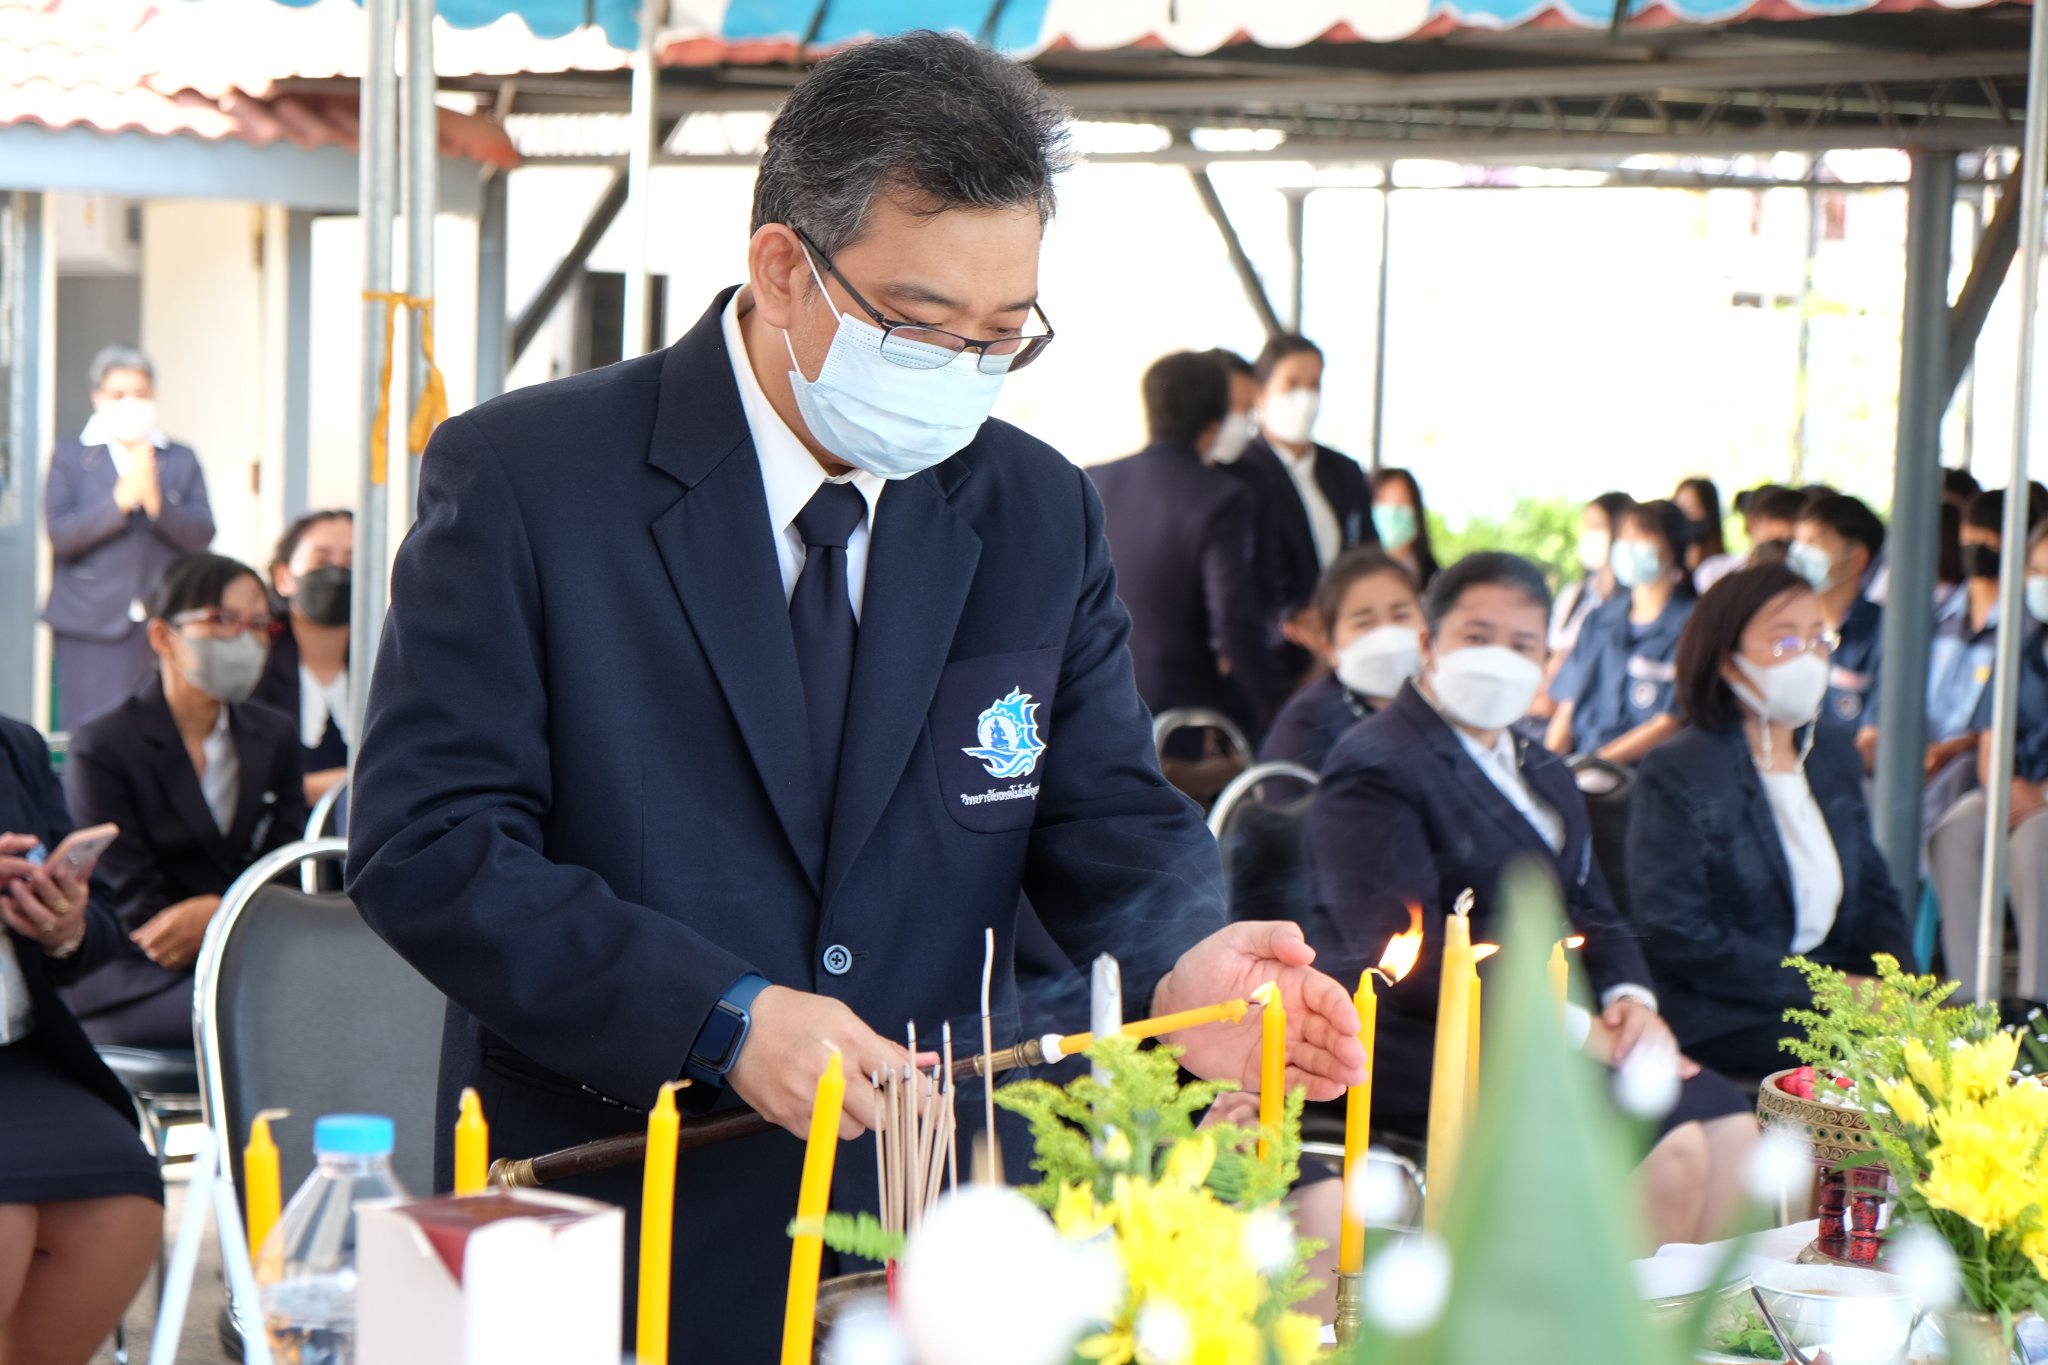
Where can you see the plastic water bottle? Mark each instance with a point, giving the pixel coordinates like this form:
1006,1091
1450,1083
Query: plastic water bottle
309,1308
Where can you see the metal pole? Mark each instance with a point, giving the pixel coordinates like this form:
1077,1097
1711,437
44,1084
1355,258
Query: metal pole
1914,542
1297,233
2013,547
646,114
1247,274
1802,432
422,203
491,316
1379,320
378,154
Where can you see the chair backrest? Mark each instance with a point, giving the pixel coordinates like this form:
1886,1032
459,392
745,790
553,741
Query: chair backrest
1259,821
327,820
1170,722
1608,788
300,1006
1198,769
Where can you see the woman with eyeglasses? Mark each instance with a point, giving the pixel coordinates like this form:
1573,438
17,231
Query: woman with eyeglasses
1749,840
201,784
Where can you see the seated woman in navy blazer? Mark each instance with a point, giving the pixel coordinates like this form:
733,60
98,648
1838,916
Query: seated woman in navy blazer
81,1215
1371,619
1435,795
201,785
1749,839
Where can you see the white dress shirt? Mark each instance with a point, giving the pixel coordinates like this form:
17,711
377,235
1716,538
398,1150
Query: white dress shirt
17,1015
1810,857
1322,518
790,474
318,703
222,780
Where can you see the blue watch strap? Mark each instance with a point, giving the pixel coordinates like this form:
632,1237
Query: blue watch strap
724,1031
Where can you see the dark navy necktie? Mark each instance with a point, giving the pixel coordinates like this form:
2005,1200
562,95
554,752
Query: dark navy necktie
821,618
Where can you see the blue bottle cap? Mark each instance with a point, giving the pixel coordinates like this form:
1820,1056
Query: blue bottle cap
353,1135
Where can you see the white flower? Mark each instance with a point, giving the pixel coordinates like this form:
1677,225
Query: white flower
1408,1284
1780,1168
1646,1084
1924,1261
865,1334
1378,1194
1162,1334
1269,1240
965,1268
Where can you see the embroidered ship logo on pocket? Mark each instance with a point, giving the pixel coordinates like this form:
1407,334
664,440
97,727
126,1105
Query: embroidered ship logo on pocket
1008,731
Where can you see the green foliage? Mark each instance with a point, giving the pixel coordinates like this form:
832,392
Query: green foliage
1090,1132
1545,530
1861,1032
852,1234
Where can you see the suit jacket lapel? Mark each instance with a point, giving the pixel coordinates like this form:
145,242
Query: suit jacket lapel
253,797
1335,492
1462,768
180,780
1763,825
715,544
921,562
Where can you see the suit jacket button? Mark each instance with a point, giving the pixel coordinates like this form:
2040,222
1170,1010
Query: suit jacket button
838,961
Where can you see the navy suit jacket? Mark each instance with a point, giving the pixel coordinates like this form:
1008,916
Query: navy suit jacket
129,767
107,559
1405,816
1288,564
1312,722
584,802
32,802
1713,893
1181,534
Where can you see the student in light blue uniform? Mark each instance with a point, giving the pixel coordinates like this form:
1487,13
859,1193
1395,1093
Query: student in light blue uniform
1837,539
1614,693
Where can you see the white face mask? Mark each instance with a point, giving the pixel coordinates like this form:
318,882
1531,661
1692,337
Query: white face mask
130,421
1485,686
1636,563
1789,693
1232,435
1593,550
1811,563
1379,661
2037,596
889,419
1291,416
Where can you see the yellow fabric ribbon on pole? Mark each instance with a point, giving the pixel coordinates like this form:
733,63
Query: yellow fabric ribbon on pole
432,408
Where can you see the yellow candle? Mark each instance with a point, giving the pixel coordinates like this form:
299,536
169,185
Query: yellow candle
472,1145
1229,1012
1272,1063
1560,975
1450,1070
1472,1055
657,1228
1357,1133
800,1314
259,1180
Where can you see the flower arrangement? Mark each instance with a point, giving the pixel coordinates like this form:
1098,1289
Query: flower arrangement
1856,1029
1969,1151
1209,1262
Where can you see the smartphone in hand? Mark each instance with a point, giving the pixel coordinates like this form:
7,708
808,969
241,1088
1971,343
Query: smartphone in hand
80,852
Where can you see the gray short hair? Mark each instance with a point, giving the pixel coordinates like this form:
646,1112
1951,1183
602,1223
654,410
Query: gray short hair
938,119
113,358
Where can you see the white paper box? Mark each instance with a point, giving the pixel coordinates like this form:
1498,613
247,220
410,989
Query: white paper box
502,1278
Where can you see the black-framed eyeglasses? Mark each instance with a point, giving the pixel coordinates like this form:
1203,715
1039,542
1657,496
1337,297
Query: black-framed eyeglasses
918,347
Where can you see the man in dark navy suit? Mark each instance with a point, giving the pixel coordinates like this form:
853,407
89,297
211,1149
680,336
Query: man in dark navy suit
1180,533
729,694
1311,502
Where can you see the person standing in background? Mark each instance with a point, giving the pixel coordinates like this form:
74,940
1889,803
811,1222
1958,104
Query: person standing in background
1311,502
306,675
1241,425
1401,522
122,502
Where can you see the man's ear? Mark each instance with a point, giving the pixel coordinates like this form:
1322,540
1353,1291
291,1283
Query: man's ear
778,273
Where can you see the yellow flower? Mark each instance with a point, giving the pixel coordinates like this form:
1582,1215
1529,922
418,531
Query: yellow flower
1187,1165
1116,1149
1078,1217
1297,1338
1903,1099
1983,1068
1923,1067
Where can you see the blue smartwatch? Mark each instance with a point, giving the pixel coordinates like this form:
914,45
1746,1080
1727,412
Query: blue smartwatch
724,1032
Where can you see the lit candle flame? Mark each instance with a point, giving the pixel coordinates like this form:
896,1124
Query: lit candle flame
1402,952
1482,951
1575,941
1263,995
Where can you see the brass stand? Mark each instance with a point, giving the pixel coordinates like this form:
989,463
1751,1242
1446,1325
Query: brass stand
1350,1308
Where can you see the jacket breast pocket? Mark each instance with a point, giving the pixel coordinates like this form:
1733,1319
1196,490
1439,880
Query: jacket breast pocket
990,727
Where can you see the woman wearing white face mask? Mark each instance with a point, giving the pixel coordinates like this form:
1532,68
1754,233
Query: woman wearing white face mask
1373,638
121,503
1434,796
1614,691
1748,838
201,786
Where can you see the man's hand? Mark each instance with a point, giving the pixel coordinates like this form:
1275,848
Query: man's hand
787,1046
41,904
1323,1052
172,937
149,494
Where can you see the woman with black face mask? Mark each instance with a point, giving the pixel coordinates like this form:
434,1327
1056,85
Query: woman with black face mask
201,783
307,676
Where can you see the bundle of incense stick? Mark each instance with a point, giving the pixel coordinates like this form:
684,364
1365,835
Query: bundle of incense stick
916,1138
